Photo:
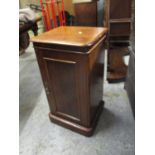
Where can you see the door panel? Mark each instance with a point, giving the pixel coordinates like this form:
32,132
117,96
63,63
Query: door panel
120,29
63,85
120,9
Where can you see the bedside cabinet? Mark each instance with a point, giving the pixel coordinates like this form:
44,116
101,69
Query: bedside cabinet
72,74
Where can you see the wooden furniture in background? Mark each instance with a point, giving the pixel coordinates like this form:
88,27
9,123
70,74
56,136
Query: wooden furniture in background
117,17
86,13
72,72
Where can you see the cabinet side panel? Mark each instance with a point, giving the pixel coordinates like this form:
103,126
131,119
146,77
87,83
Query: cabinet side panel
96,68
74,67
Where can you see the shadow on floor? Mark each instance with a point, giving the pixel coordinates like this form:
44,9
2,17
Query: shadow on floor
30,88
106,121
26,55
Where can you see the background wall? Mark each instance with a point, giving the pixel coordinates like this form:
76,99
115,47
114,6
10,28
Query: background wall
23,3
68,4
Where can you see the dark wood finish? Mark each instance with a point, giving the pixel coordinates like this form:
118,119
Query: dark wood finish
117,17
120,9
86,13
119,28
73,78
71,36
117,68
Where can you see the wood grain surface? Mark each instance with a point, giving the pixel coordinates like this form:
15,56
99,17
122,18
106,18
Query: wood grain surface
71,35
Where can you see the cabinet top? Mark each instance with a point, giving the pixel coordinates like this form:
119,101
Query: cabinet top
71,36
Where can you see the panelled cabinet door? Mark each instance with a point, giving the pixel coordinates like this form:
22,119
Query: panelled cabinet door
65,79
62,82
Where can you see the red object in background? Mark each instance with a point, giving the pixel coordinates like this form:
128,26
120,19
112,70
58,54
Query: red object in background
44,15
59,13
53,13
50,8
48,16
63,14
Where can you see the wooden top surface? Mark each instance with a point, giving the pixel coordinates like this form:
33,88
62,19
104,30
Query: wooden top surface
71,35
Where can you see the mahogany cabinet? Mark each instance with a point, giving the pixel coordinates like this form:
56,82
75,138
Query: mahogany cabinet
71,66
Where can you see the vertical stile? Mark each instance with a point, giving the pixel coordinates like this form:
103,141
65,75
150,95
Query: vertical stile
63,13
44,15
59,13
48,15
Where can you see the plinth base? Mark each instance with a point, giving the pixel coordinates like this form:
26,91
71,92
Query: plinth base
87,131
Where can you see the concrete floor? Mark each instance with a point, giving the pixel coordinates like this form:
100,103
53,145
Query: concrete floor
114,134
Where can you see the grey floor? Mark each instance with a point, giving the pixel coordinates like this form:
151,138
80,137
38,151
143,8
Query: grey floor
114,134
